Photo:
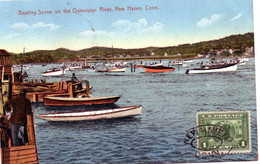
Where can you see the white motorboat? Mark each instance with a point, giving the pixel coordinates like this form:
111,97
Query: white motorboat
54,72
214,68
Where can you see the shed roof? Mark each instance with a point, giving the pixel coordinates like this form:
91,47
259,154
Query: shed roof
4,53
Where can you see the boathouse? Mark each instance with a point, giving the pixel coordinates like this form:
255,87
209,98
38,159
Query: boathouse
5,77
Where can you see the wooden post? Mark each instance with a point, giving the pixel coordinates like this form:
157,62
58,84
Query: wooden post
87,88
35,97
70,90
30,129
1,100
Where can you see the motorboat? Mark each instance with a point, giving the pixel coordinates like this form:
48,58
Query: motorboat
116,69
54,72
159,68
213,68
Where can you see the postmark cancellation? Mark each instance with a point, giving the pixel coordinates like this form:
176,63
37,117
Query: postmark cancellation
224,132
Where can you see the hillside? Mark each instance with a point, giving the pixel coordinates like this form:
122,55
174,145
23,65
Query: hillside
236,42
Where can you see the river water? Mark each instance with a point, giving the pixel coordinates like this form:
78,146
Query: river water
170,102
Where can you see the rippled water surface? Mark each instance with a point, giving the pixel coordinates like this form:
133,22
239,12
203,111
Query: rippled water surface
170,102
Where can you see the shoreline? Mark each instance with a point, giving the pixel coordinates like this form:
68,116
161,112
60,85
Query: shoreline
146,58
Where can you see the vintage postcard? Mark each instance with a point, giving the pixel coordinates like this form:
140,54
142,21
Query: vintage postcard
120,81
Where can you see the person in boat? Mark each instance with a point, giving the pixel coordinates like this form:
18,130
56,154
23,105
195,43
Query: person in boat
202,65
18,120
74,80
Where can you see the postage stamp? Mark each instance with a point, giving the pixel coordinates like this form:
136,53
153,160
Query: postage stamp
224,132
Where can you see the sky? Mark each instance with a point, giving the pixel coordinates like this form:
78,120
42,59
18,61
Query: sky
44,25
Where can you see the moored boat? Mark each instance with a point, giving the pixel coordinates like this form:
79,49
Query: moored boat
117,69
187,61
138,66
93,114
75,68
70,101
159,68
176,62
213,68
86,66
54,72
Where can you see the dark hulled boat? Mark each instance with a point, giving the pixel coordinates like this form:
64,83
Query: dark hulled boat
70,101
158,68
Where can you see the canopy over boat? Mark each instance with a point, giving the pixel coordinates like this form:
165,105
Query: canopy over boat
93,114
70,101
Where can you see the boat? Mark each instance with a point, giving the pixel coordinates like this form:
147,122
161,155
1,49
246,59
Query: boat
187,61
13,154
116,69
93,114
213,68
70,101
159,68
242,63
176,62
54,72
86,66
75,68
138,66
244,59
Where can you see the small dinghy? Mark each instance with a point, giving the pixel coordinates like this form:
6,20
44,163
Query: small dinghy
93,114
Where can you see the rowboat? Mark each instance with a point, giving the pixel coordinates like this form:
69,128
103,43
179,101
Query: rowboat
93,114
70,101
214,68
159,68
54,72
117,69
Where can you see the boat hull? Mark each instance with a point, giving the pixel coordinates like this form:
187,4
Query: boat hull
138,66
54,73
93,115
70,101
117,70
121,69
157,69
205,70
